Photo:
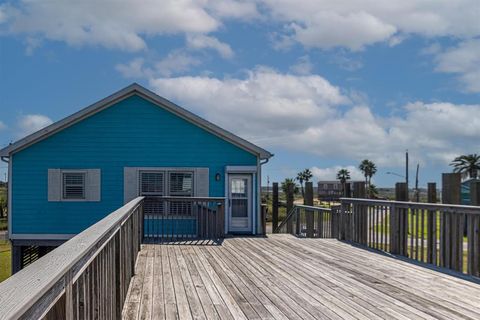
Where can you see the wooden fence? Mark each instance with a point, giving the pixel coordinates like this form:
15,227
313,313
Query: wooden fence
426,232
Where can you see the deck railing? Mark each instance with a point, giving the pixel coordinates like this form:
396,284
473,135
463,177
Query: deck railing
309,222
183,218
443,235
440,234
88,276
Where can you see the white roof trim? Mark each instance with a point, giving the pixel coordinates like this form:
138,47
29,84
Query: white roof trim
121,95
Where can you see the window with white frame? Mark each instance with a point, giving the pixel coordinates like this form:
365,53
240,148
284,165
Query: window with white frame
73,185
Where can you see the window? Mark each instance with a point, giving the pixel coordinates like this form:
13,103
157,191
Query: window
74,185
166,183
152,183
181,184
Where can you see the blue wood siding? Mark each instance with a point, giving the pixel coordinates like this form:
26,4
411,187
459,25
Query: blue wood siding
132,133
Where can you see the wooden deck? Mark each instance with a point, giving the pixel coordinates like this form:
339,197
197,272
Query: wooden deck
283,277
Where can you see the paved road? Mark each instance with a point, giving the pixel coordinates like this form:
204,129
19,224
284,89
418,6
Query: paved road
3,235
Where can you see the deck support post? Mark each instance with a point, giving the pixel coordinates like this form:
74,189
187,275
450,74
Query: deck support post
274,207
473,234
289,196
432,224
360,215
309,213
449,226
399,218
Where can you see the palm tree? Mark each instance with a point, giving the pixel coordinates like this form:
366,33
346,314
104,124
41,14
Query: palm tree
364,165
368,169
285,185
467,165
304,176
372,190
371,171
343,175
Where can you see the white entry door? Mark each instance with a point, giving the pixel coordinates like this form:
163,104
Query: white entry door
240,202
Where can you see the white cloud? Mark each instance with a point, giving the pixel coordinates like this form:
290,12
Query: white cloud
201,41
309,114
356,24
30,123
303,66
177,61
134,69
119,24
463,60
3,126
330,173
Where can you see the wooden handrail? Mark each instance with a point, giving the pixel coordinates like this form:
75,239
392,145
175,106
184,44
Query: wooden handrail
420,205
303,216
444,235
34,291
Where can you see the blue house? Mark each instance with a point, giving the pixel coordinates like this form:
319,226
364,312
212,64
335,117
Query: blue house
71,174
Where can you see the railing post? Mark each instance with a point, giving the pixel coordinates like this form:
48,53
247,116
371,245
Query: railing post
449,239
220,222
69,295
309,213
399,225
264,209
289,199
360,215
432,224
274,207
473,234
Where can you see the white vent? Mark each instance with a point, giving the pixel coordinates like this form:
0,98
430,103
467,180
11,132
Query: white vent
74,185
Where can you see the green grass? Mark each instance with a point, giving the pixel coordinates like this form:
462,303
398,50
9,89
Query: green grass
412,225
5,261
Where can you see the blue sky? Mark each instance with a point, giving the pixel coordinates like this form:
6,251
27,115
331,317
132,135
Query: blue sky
321,84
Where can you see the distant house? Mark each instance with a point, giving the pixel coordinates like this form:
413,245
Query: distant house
71,174
465,191
332,190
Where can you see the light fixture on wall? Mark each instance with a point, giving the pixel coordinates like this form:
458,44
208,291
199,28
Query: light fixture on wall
217,176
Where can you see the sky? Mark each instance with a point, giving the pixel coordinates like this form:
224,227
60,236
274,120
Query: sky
321,84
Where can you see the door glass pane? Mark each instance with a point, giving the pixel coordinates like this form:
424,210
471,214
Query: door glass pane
239,200
239,188
239,208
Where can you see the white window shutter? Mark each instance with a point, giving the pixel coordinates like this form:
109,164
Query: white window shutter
130,184
92,185
202,181
54,185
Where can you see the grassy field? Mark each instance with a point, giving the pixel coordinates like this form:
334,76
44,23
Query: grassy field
5,267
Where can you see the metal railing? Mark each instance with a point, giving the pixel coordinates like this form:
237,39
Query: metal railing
440,234
309,222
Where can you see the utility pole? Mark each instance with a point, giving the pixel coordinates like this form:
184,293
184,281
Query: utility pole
268,187
406,172
417,191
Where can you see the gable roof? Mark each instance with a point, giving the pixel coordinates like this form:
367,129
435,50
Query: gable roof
134,89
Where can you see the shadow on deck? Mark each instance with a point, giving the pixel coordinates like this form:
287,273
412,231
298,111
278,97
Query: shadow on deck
284,277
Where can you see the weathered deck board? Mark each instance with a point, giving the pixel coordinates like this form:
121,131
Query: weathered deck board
283,277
